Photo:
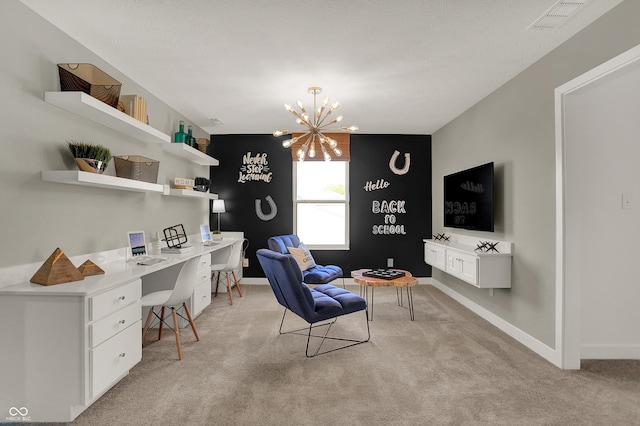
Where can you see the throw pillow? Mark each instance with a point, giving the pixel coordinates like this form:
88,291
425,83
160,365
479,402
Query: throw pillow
302,256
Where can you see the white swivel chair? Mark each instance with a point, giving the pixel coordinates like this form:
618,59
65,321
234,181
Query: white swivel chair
174,300
234,262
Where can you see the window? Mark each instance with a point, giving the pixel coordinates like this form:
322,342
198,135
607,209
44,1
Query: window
321,203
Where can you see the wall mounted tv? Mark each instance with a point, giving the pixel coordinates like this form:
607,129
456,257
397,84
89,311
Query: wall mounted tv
468,199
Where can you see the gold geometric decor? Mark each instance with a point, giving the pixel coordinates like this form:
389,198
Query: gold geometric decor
57,269
90,268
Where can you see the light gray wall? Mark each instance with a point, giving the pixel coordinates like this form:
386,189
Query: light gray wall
38,216
514,127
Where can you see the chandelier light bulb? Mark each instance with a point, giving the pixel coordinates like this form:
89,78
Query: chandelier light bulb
287,143
337,151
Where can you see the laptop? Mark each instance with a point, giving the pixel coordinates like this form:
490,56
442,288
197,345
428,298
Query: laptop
205,233
138,249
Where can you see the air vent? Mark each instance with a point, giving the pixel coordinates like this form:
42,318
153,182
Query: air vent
558,14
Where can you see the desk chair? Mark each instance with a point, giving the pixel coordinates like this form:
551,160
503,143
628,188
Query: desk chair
173,299
234,262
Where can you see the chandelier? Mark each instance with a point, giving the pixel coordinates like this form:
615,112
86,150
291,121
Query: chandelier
314,134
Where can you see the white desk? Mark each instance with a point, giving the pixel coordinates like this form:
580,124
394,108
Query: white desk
63,346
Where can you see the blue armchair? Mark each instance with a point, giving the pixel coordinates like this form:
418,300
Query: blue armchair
314,305
317,274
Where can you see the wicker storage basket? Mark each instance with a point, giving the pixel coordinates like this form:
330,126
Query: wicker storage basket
91,80
203,144
137,167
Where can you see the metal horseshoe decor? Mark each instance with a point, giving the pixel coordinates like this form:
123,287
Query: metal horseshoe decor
272,205
407,163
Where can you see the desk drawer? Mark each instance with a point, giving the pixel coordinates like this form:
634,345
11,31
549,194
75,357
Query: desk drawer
203,275
114,323
205,261
115,357
110,301
201,297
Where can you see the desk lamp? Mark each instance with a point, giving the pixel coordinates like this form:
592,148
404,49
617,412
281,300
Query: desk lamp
218,207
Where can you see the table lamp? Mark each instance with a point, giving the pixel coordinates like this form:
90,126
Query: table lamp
218,207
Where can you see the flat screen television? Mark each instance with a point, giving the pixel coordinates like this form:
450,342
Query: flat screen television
468,199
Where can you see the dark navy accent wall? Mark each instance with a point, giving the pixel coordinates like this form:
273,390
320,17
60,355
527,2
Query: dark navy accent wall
390,205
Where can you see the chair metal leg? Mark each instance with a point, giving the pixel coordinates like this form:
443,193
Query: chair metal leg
410,302
325,336
177,331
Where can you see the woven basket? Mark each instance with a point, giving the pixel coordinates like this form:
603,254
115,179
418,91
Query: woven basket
203,144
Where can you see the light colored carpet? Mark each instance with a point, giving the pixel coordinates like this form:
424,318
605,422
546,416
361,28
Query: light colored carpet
448,367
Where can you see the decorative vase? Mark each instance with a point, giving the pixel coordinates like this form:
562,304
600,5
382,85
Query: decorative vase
216,237
90,165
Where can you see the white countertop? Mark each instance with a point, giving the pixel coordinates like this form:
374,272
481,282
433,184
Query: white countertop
117,271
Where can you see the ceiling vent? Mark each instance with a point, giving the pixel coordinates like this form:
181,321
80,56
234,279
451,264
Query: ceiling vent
558,14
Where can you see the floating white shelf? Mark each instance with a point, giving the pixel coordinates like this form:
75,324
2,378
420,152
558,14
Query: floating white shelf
89,107
187,193
76,177
191,154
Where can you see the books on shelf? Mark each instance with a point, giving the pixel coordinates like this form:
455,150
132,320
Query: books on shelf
177,250
135,106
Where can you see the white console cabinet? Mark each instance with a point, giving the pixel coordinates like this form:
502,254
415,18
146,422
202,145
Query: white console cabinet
460,258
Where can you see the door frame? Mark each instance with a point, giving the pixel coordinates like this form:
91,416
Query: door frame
568,291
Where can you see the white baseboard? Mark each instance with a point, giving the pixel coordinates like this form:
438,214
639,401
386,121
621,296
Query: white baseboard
254,281
609,351
527,340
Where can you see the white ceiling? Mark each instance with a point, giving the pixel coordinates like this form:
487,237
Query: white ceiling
396,66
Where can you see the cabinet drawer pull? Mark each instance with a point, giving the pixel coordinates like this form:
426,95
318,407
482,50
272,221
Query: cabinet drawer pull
121,321
121,298
122,355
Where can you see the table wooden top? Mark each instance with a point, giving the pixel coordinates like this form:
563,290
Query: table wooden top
407,280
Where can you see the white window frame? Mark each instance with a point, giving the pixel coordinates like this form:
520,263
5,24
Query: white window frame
346,203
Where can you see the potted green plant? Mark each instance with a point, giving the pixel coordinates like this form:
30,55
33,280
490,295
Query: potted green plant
89,157
216,235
